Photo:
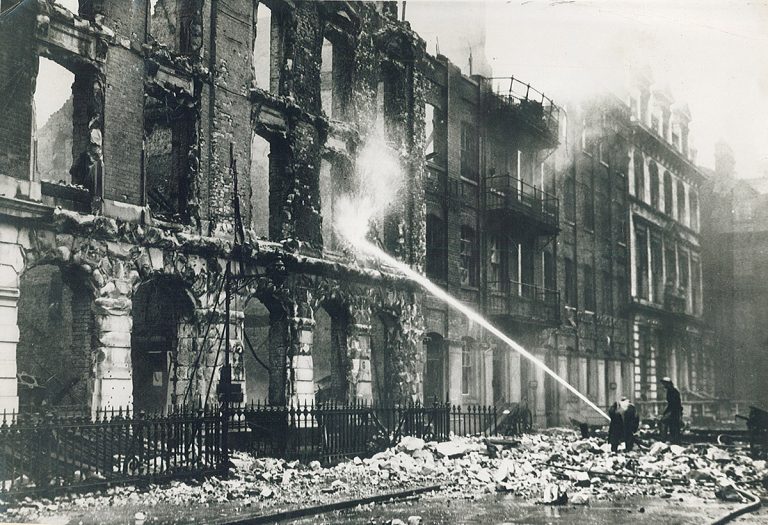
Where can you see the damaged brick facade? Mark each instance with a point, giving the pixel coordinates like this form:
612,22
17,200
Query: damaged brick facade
165,108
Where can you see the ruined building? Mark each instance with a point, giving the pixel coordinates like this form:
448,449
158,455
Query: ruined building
118,216
734,226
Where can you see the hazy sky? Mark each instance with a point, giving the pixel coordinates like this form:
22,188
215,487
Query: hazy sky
711,54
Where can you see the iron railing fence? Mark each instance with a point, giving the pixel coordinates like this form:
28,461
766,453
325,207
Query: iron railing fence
48,453
328,432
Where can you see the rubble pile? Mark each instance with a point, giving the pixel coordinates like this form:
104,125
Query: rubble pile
551,467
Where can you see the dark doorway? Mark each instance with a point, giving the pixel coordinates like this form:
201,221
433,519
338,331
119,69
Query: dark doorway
434,373
159,308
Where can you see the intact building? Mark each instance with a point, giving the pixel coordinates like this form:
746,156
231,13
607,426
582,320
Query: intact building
734,252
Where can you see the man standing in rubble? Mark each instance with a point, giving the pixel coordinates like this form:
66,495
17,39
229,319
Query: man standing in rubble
624,424
672,418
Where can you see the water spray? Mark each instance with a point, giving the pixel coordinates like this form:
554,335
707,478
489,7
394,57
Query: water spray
471,314
380,177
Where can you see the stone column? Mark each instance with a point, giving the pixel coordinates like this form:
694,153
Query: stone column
454,371
112,385
359,353
301,375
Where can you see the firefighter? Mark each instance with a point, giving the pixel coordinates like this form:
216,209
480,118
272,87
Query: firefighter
624,424
672,418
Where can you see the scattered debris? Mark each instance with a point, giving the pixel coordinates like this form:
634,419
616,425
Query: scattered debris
552,467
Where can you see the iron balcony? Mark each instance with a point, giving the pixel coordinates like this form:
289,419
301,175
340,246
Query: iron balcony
524,302
510,199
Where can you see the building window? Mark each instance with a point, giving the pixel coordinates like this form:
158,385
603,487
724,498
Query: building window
589,288
468,245
655,124
695,285
693,202
469,152
494,263
436,252
639,176
549,271
657,267
606,293
683,257
570,283
670,264
466,367
667,193
653,171
641,270
569,199
681,202
588,203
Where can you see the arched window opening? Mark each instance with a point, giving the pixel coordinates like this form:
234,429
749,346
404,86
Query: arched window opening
256,354
54,349
330,354
382,370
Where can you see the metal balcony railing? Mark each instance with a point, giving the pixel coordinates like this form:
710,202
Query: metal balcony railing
509,194
519,99
523,300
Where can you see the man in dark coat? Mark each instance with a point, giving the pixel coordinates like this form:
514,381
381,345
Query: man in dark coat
672,418
624,424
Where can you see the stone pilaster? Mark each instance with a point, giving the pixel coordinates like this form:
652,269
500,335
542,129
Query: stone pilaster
9,337
112,382
11,265
301,376
359,353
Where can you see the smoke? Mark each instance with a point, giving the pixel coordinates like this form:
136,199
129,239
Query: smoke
379,180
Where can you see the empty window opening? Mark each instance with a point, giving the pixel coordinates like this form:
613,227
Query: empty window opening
335,181
164,22
54,349
256,354
435,369
259,177
435,133
693,202
54,123
391,99
163,348
335,79
494,263
657,269
329,351
641,268
268,44
169,134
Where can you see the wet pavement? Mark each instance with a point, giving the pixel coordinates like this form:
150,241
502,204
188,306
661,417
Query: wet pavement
503,509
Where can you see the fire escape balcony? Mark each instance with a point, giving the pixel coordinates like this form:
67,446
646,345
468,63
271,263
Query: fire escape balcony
523,106
509,199
524,302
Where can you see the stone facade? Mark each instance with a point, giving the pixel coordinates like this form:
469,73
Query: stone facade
165,108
